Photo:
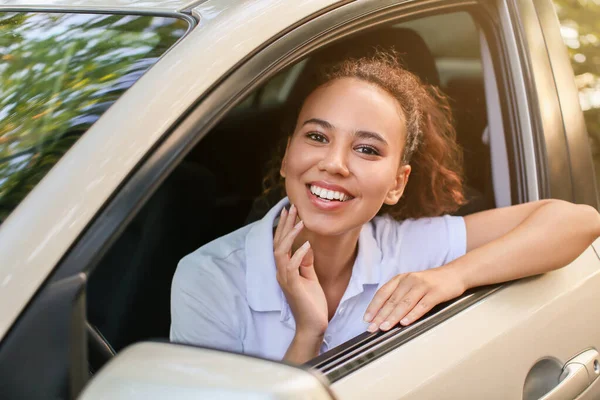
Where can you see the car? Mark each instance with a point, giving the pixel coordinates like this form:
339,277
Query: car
134,131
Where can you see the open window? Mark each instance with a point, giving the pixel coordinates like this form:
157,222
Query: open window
217,187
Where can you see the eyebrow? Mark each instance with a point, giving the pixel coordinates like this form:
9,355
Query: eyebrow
359,133
320,122
370,135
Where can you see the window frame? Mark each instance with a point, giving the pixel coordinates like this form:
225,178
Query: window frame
359,351
332,24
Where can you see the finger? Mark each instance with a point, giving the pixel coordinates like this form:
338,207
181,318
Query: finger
408,303
294,264
283,250
307,267
280,225
382,295
423,306
399,298
290,221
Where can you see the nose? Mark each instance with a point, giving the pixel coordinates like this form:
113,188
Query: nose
335,161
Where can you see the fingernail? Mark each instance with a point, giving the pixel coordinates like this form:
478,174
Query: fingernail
385,326
306,244
283,211
299,225
372,328
404,321
292,207
368,317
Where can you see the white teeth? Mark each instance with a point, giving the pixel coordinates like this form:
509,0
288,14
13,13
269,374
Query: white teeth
328,194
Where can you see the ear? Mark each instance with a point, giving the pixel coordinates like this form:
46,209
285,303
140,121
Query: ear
282,169
395,193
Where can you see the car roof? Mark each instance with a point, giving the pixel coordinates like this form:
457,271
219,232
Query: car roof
138,5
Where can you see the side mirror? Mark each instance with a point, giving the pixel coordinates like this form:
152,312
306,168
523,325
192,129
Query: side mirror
154,370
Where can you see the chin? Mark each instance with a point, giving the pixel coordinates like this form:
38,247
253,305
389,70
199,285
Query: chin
323,225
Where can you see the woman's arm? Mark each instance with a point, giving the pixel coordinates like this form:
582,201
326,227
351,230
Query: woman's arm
502,244
200,314
528,239
303,348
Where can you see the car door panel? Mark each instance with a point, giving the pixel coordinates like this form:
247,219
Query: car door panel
487,350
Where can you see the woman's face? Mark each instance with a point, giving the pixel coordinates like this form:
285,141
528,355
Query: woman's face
343,161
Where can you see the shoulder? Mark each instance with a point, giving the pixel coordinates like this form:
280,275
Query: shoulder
386,229
218,264
421,242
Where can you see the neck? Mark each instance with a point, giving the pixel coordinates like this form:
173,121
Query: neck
334,255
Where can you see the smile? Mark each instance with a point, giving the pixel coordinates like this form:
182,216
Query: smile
331,195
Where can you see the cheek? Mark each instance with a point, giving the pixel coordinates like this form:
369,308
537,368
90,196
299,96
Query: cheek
300,158
377,178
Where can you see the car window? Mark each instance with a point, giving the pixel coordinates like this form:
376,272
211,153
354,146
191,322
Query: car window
217,188
59,73
581,33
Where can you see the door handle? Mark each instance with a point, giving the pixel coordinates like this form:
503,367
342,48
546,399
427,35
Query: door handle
577,374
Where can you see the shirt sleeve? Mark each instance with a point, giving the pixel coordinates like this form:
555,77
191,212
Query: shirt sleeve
205,309
424,243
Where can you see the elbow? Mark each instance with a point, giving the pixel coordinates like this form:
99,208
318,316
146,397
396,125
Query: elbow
590,219
583,218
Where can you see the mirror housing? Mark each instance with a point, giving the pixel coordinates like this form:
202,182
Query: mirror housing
156,370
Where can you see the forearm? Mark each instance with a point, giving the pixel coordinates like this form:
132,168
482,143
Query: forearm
303,348
550,237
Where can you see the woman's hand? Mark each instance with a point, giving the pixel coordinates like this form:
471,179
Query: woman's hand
298,280
407,297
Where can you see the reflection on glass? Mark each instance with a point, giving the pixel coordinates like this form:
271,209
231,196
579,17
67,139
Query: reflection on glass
580,29
59,74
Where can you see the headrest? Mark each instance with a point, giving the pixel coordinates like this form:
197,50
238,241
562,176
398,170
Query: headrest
414,56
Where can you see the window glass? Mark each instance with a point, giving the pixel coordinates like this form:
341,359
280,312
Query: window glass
580,29
59,73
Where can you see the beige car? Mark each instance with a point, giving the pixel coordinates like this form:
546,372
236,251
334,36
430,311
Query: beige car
134,131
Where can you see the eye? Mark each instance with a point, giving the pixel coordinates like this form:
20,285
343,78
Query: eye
317,137
368,150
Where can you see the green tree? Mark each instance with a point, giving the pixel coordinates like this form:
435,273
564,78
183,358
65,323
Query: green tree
59,73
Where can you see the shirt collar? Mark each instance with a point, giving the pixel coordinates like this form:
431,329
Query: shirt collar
263,290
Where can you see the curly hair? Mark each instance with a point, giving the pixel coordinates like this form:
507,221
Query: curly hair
435,186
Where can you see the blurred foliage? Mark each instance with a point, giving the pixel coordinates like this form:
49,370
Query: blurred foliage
59,73
580,29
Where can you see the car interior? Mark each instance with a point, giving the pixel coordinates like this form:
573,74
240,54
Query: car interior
218,186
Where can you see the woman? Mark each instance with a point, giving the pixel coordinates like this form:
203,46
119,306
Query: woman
353,252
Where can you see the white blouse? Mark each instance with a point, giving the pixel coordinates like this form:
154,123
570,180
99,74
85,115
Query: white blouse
225,295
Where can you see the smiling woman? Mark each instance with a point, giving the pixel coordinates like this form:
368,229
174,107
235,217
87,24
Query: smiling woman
322,266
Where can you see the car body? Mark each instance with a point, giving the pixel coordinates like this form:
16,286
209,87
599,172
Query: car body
493,343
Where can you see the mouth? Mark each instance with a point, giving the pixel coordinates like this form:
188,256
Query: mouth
329,195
